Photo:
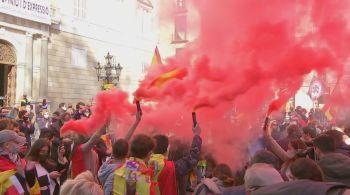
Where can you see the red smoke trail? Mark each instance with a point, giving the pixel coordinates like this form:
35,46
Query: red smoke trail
245,50
114,103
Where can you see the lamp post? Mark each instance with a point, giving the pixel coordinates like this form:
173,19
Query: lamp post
110,71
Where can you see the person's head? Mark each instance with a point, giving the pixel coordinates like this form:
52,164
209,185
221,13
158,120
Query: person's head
274,125
309,133
15,125
10,142
5,124
224,173
338,136
294,131
178,149
62,105
261,175
78,139
46,114
83,184
80,107
162,143
65,117
324,144
23,115
141,146
29,108
295,146
265,156
120,149
39,150
55,116
305,168
211,164
46,133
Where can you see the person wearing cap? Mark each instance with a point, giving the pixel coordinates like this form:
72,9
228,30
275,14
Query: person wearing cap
12,166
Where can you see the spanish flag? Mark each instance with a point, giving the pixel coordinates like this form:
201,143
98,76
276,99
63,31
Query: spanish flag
178,73
107,139
9,184
329,112
156,60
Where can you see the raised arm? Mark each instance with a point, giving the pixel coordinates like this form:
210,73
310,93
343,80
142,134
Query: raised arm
133,127
94,139
184,165
273,145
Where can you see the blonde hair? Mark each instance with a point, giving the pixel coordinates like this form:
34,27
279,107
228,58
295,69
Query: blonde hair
83,184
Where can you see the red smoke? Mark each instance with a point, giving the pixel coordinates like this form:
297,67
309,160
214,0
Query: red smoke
245,51
108,103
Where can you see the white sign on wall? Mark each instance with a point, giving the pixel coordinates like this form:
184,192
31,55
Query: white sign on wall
35,10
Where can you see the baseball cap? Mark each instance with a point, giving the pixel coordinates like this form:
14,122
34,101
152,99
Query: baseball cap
260,175
8,135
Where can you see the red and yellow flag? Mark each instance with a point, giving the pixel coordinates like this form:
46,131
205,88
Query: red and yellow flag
107,139
156,60
178,73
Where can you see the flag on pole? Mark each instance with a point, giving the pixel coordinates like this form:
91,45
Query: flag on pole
156,60
328,109
178,73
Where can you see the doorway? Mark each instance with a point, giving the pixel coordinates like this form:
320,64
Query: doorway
8,63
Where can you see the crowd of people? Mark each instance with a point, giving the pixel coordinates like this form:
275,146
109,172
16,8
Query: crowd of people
301,154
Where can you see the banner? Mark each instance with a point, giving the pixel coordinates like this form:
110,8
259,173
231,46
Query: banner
316,88
35,10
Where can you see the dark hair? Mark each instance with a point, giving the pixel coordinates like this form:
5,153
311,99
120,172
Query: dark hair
265,156
56,113
46,133
64,115
21,114
4,123
294,131
310,130
178,149
162,143
141,145
224,173
120,149
337,136
298,144
325,143
79,104
34,152
304,168
61,105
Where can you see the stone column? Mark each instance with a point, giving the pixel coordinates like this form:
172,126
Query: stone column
43,87
28,73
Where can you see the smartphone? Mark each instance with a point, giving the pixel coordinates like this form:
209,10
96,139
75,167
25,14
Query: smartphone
194,119
138,107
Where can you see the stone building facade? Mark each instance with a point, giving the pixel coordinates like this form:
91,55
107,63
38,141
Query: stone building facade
49,48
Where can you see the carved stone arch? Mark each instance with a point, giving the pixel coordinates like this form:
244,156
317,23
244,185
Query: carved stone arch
7,53
8,61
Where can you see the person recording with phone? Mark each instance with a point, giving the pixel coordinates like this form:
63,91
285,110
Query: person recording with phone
26,126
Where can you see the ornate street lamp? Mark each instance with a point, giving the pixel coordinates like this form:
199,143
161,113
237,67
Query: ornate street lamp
110,71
